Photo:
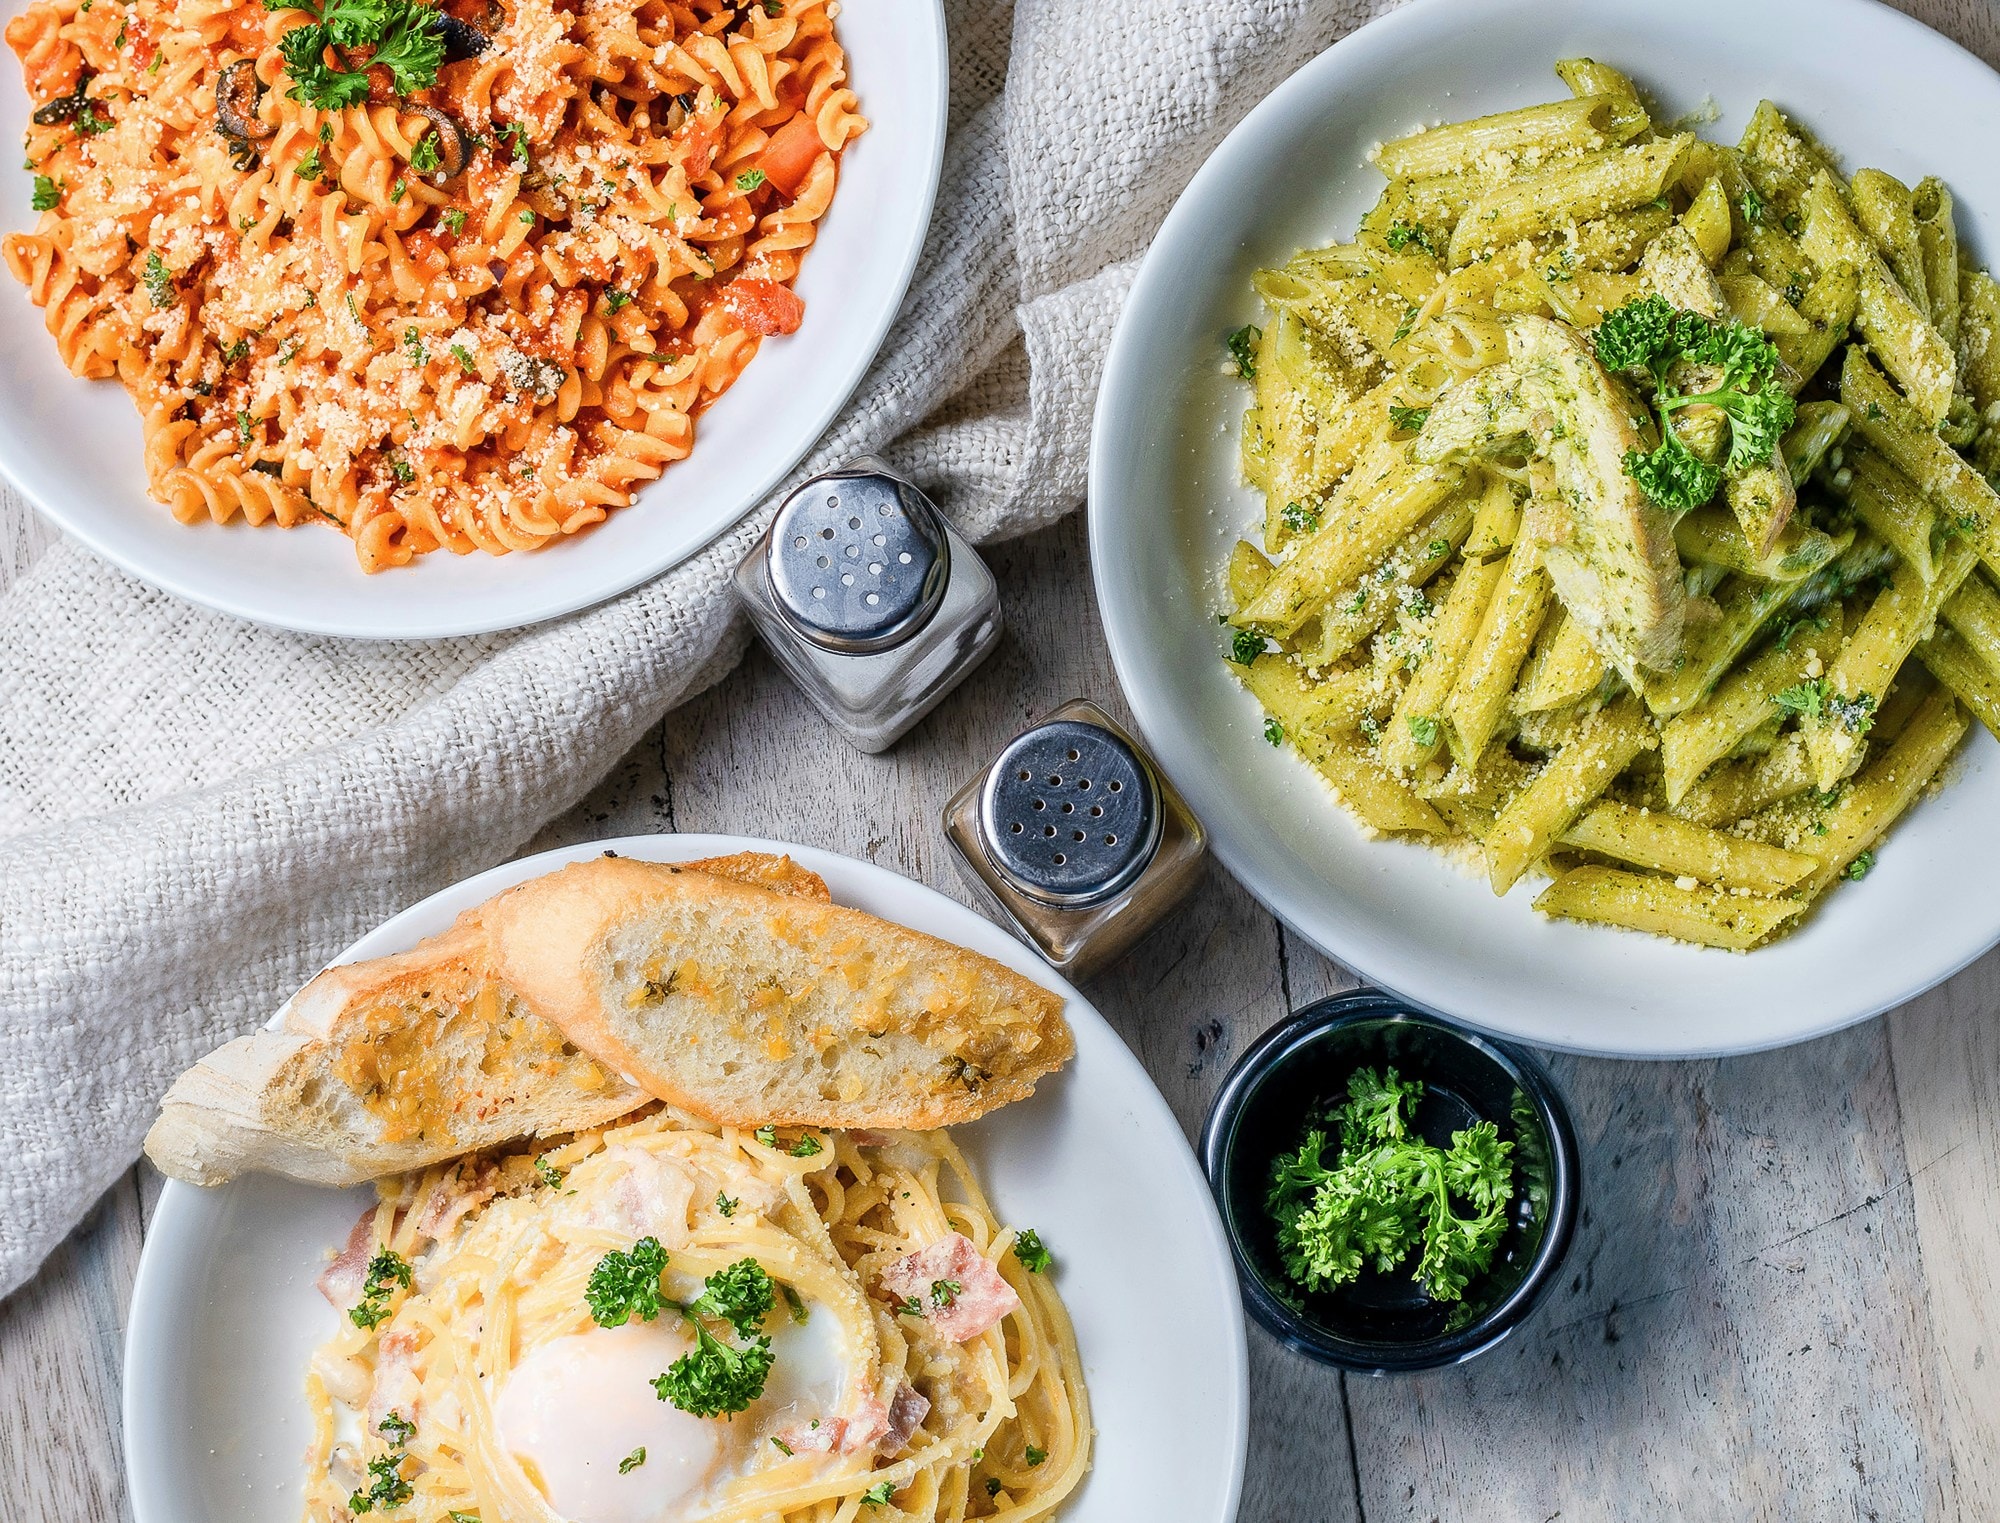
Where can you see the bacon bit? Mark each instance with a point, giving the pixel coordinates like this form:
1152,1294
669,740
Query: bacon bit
397,1388
841,1435
763,307
982,1297
346,1277
907,1410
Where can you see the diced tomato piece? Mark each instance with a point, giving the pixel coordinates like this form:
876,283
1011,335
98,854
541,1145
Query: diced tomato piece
762,307
790,155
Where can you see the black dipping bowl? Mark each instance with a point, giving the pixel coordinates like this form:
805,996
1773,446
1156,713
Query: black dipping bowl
1384,1322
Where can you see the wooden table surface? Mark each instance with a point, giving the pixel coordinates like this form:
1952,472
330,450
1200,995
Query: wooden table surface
1782,1301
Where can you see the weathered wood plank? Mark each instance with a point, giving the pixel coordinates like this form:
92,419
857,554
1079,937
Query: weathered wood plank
62,1339
1741,1317
1946,1048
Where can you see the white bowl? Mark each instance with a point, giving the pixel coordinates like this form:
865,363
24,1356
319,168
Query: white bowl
225,1315
1167,500
73,447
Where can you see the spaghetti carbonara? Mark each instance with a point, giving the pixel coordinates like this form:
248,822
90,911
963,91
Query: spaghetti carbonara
455,277
669,1320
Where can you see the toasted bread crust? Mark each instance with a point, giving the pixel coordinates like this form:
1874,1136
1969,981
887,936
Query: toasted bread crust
397,1062
747,1008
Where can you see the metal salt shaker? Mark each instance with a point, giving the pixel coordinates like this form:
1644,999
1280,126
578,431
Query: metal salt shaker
1076,838
870,599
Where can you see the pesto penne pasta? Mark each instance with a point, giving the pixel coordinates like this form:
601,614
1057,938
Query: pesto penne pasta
1628,508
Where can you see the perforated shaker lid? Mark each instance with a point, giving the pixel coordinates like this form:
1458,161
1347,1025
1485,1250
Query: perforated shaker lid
1071,814
858,560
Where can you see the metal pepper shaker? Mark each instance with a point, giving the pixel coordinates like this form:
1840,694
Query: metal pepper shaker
1074,835
870,599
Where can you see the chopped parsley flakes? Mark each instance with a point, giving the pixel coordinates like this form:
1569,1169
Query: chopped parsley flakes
159,280
1299,518
1242,346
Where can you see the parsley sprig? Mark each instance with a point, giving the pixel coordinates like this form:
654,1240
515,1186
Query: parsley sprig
626,1284
716,1378
1646,338
405,38
1373,1193
386,1271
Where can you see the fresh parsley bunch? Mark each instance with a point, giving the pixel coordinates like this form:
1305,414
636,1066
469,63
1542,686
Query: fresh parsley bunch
1377,1194
714,1378
405,37
1646,338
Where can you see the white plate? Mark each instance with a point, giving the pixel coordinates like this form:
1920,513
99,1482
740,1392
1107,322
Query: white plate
1166,501
73,447
225,1316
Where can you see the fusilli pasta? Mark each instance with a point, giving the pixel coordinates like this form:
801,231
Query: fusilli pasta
472,307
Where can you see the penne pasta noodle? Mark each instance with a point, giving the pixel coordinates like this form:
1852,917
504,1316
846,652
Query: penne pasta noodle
1556,560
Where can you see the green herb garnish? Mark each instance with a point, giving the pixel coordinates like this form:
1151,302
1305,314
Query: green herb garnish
1299,518
405,38
159,280
386,1270
715,1378
1245,646
741,1295
1243,350
625,1285
1372,1193
1408,420
1648,336
750,179
878,1495
1274,733
46,197
386,1490
632,1461
1402,234
1028,1246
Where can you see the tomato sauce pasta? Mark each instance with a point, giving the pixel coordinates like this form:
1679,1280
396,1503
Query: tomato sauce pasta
455,278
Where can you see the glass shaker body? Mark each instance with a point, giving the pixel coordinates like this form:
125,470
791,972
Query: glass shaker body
869,598
1076,838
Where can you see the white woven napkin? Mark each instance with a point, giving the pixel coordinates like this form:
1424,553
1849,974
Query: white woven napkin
195,813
